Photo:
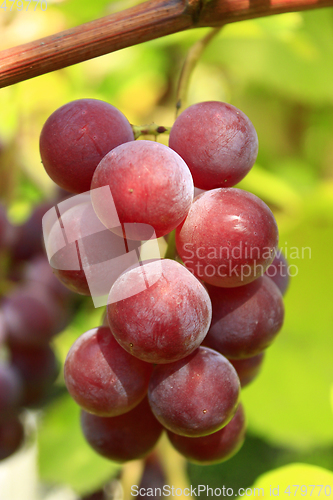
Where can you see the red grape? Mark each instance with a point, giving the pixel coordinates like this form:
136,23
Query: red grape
216,447
102,377
248,368
278,271
76,137
11,436
126,437
27,240
195,396
82,252
150,185
38,368
245,319
10,388
228,238
39,271
165,321
32,315
217,141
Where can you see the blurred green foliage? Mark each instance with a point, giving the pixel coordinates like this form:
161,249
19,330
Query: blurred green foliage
279,71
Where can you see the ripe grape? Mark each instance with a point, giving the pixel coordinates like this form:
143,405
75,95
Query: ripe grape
153,475
217,141
102,377
278,271
82,251
248,368
11,436
76,137
245,319
39,272
163,322
216,447
10,388
150,185
228,238
126,437
27,241
32,315
195,396
38,368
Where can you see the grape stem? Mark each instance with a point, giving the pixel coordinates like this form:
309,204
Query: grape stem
171,248
151,129
190,63
146,21
174,466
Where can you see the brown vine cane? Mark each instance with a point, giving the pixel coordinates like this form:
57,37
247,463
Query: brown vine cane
147,21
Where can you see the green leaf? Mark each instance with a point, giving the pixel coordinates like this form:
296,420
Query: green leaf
287,57
64,455
296,481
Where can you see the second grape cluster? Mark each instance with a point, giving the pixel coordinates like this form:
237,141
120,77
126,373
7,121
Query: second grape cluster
181,335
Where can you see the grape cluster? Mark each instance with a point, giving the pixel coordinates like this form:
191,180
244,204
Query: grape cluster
180,335
34,307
